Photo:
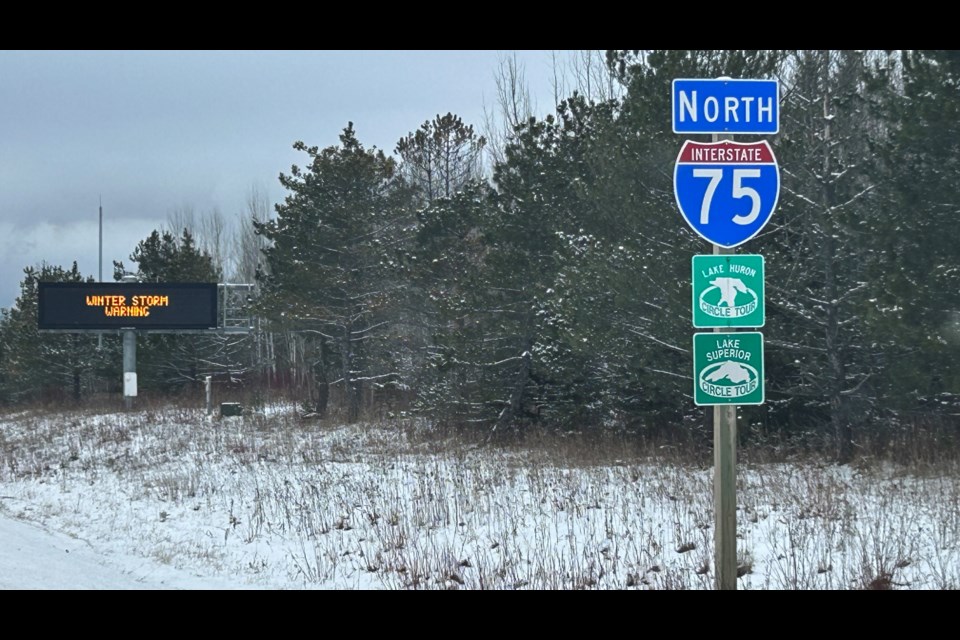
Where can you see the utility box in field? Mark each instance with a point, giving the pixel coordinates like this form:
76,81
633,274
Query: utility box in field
230,409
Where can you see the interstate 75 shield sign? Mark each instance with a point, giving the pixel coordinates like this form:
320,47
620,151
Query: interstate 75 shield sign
726,190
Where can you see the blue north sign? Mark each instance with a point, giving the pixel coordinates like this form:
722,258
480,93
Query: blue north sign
726,191
726,106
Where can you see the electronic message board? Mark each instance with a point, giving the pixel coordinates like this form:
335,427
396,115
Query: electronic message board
83,306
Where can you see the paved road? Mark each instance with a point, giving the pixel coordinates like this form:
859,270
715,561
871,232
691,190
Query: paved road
34,558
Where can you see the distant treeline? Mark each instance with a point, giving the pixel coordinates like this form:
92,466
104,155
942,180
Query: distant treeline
539,273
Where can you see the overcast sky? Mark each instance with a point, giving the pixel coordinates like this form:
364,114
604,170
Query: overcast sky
153,132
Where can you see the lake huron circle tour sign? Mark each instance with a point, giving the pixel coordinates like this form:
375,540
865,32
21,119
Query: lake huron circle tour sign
728,291
84,306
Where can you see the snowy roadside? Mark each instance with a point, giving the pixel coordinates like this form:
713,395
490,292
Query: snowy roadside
167,499
32,557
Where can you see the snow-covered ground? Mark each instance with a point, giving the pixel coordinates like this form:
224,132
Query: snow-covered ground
171,499
32,557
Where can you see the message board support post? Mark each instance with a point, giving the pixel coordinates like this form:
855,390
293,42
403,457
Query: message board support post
129,367
208,391
129,359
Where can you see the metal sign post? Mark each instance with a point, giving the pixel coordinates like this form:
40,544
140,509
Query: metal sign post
726,192
724,477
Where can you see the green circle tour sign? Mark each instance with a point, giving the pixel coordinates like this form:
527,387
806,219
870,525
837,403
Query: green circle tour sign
728,291
728,368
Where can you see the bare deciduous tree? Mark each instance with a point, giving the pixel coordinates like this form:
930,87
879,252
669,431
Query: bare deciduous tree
514,106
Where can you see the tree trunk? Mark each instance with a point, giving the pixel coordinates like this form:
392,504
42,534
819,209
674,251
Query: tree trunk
836,368
512,410
842,430
352,388
320,380
323,398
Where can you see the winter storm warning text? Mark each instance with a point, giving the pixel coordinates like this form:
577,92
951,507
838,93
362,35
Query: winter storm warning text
118,306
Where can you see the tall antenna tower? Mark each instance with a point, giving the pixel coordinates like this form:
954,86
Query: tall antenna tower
100,263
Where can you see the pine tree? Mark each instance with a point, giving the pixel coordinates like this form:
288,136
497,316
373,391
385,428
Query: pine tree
493,256
334,250
35,364
913,308
821,244
170,361
440,157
